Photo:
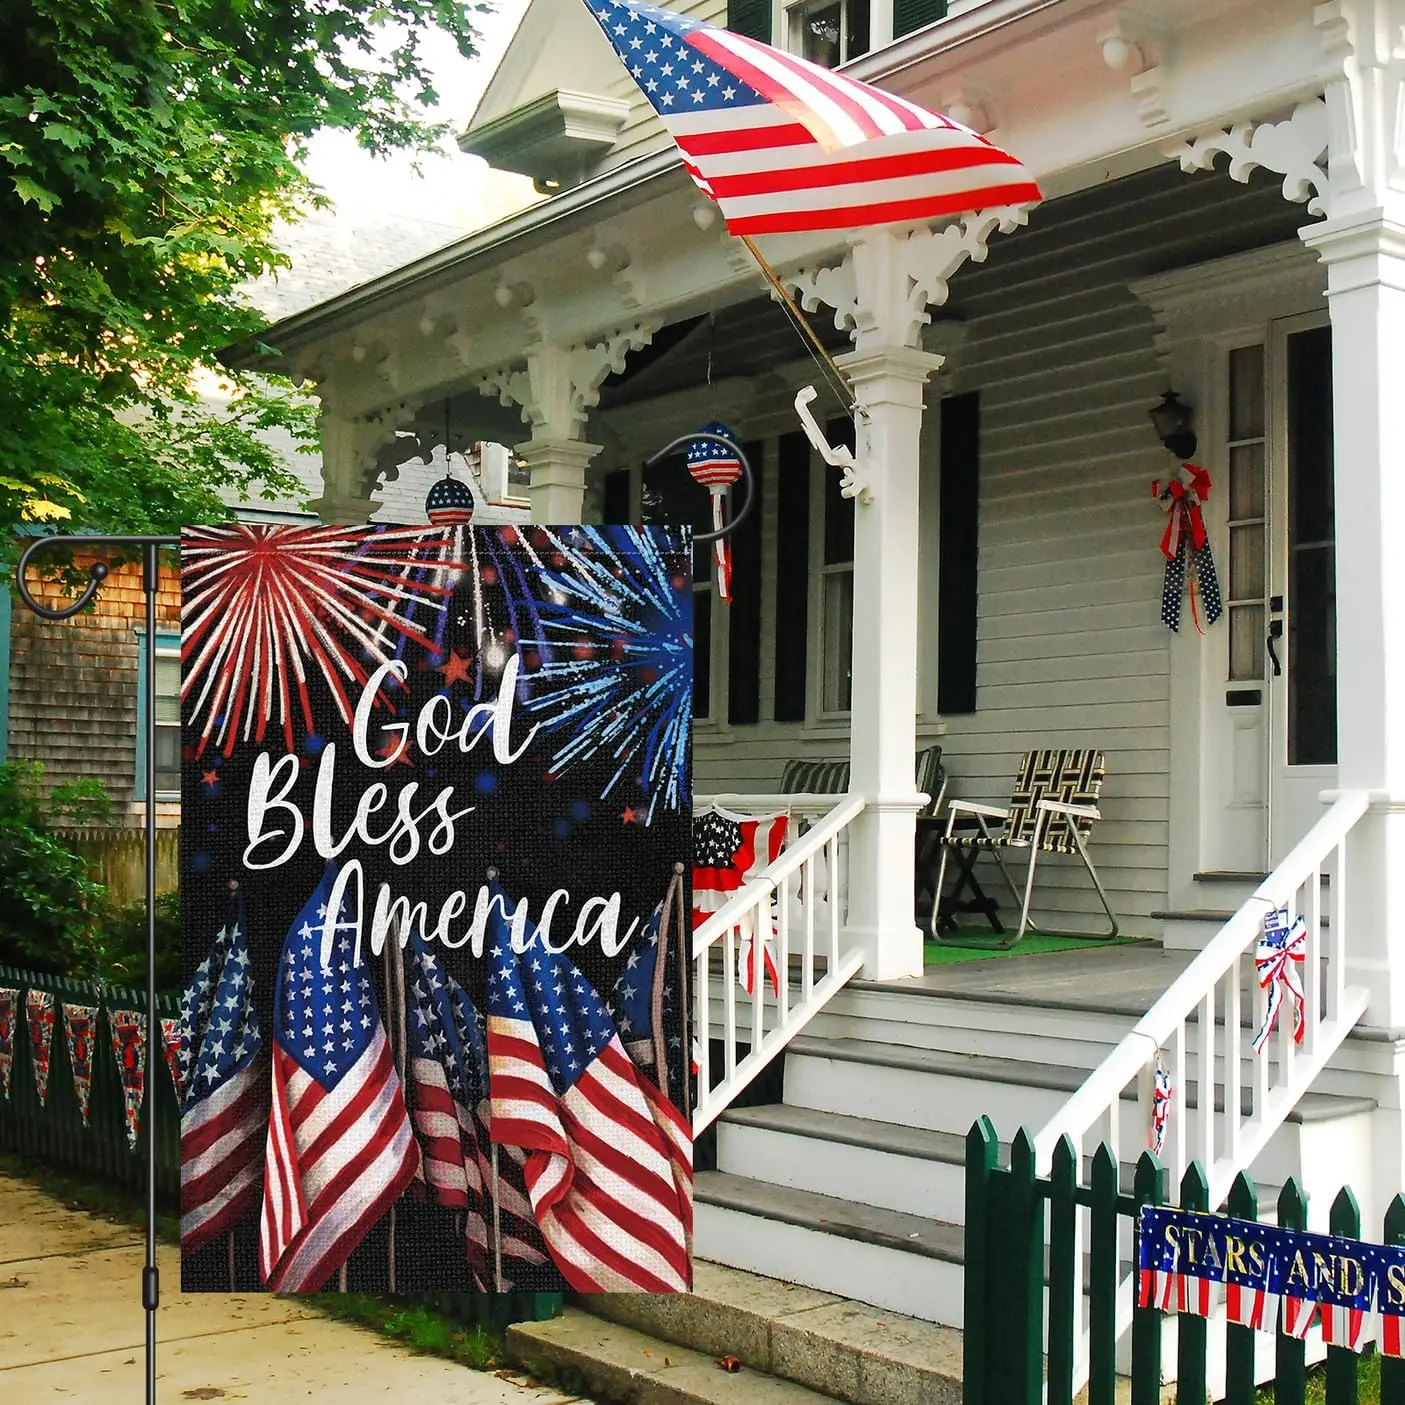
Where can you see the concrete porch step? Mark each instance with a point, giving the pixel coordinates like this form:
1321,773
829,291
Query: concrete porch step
628,1367
892,1259
850,1351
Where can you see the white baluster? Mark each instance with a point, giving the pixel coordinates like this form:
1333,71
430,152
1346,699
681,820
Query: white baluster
702,1025
1180,1125
1207,1081
807,971
1336,970
729,999
832,852
1312,969
1234,1073
783,955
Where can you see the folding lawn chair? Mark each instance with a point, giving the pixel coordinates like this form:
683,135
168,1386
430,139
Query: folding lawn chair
1052,811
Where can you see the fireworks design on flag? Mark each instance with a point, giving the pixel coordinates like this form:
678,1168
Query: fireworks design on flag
629,700
266,608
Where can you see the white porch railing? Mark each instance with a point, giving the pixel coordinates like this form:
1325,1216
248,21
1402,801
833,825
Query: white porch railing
806,871
1182,1026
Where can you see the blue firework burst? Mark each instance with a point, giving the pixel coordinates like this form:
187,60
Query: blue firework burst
616,658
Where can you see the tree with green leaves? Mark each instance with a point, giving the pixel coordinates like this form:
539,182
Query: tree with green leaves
147,148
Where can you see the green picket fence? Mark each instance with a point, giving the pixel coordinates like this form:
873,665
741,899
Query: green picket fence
54,1132
1021,1312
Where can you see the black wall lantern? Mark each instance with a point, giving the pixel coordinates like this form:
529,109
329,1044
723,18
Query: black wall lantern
1173,420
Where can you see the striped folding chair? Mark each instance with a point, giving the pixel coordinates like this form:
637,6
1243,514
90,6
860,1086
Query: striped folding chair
1052,811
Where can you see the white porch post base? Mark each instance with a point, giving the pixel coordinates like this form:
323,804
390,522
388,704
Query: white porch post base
343,509
1365,256
557,487
888,384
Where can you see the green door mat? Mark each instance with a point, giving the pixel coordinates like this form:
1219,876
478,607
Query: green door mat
1031,944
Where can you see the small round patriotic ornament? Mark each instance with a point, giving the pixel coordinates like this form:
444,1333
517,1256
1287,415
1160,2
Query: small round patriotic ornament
717,468
450,503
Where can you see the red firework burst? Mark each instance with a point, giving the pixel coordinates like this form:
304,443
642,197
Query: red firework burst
264,607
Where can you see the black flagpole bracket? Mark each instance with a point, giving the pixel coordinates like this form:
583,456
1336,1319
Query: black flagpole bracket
149,549
740,515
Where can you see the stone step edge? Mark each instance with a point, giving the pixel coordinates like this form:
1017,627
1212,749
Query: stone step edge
628,1367
860,1354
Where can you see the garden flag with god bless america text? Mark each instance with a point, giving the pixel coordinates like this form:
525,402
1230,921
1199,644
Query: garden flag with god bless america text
783,145
384,730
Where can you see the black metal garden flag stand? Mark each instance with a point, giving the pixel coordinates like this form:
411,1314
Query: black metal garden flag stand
150,548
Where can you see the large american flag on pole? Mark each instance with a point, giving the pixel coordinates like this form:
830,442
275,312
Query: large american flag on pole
224,1115
447,1073
783,145
601,1173
340,1146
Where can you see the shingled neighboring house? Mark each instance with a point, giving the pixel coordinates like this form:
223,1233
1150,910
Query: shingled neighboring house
72,694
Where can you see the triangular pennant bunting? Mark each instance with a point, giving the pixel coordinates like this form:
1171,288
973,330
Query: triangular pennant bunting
39,1014
177,1056
129,1046
9,998
79,1027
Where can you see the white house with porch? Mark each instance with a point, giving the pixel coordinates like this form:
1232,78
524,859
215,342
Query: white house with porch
1224,217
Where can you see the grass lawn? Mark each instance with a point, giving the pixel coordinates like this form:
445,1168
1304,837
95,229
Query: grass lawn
1368,1384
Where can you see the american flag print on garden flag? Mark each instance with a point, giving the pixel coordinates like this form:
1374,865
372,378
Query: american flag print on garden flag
39,1020
224,1109
600,1171
783,145
728,852
447,1074
9,995
340,1146
79,1029
128,1030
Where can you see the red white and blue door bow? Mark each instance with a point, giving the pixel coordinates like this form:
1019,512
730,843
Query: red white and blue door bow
1186,546
1278,960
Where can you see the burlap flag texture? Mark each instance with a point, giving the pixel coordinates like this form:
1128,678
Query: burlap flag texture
39,1015
9,998
79,1027
129,1046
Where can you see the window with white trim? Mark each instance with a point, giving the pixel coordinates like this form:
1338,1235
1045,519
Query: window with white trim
835,578
167,717
828,32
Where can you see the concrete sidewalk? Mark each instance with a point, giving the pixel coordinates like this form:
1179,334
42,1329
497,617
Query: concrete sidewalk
71,1328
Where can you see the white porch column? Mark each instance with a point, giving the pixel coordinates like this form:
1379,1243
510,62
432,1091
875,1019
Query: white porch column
556,392
880,294
888,384
1365,257
1362,243
349,444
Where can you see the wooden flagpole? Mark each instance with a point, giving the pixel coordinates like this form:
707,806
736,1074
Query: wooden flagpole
830,366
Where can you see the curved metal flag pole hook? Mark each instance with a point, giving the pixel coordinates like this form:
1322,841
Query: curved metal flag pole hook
852,483
740,515
150,547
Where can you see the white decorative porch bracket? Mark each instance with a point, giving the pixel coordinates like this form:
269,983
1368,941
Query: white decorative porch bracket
880,294
350,444
556,391
1362,244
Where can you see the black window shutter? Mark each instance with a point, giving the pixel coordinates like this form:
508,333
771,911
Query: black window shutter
751,18
744,611
615,505
792,575
960,510
913,14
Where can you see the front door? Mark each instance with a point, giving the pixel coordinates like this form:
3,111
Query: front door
1270,669
1301,642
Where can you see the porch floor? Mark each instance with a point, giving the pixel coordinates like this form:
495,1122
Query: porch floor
1121,980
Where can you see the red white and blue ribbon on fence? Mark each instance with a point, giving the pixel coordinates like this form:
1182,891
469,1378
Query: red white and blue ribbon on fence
1186,544
1273,1277
1162,1095
1278,960
9,1002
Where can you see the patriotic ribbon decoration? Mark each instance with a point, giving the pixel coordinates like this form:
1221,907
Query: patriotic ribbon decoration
1162,1094
716,468
173,1041
128,1030
1273,1279
1186,543
1278,959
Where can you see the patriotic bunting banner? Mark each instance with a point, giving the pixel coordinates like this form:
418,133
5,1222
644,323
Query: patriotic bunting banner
39,1019
728,852
1273,1278
436,782
128,1028
9,997
174,1043
79,1030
